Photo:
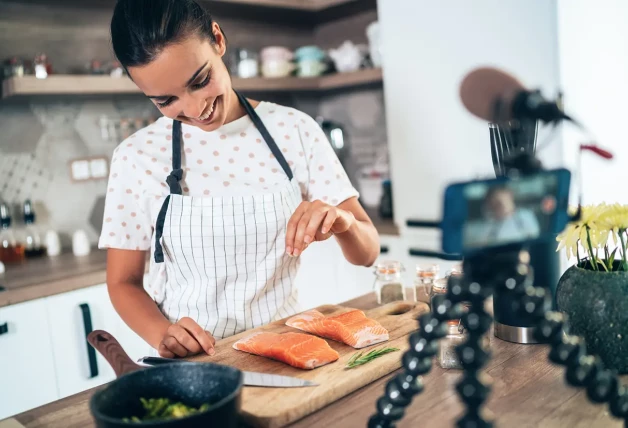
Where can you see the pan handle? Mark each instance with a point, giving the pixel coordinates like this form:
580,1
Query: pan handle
111,349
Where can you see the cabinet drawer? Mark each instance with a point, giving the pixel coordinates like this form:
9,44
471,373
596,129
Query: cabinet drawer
27,372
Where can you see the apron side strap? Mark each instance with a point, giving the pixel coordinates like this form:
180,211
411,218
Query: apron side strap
159,231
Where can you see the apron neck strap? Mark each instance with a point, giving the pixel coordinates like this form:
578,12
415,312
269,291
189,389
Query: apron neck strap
174,179
270,141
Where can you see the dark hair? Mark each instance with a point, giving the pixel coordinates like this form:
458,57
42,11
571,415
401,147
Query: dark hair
497,189
141,29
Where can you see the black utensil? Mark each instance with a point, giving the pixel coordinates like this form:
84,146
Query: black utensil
509,140
192,384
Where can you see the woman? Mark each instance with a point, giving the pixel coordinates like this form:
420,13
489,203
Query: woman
503,222
225,192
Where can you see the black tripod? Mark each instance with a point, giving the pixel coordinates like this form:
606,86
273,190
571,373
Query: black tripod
507,271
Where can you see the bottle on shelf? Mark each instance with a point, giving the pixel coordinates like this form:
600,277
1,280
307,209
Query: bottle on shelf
31,239
11,252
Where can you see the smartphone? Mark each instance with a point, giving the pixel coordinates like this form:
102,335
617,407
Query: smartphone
488,214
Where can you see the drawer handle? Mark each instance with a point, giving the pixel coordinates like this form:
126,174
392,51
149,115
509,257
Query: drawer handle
4,328
91,353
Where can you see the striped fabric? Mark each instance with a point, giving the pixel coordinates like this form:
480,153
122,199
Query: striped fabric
226,265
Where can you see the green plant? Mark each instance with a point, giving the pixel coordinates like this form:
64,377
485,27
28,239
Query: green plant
358,358
597,237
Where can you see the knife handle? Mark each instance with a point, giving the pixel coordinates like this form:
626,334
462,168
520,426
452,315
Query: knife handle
156,361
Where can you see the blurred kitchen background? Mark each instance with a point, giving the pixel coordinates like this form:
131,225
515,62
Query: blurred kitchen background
381,76
65,99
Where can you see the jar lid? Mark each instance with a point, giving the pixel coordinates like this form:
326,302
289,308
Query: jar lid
440,286
454,327
427,271
388,267
455,271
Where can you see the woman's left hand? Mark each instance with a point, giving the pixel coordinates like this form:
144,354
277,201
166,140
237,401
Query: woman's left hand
315,221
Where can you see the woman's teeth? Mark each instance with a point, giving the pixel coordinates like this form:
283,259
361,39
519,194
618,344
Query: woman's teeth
208,112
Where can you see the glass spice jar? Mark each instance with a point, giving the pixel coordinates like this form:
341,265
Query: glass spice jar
439,285
389,285
424,279
447,356
456,335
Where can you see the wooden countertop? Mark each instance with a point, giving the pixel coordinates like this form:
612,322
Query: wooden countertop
528,391
48,276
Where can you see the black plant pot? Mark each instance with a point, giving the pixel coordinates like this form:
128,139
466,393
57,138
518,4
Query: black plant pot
597,306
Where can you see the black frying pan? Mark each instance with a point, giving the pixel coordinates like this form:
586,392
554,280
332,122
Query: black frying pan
192,384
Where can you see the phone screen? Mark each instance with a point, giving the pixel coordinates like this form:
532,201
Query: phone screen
493,213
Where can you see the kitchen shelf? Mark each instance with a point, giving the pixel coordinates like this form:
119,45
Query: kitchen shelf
303,12
94,85
305,5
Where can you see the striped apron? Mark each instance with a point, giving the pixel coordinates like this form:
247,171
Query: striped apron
225,259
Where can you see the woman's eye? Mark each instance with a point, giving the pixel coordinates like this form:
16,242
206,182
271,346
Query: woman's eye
202,84
165,103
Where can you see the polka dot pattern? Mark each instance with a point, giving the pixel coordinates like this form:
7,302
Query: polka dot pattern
232,161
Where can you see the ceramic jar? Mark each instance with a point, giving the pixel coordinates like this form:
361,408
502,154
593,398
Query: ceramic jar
276,62
310,61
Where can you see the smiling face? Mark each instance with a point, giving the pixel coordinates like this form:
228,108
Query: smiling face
189,82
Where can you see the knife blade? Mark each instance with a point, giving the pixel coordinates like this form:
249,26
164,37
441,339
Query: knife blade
250,378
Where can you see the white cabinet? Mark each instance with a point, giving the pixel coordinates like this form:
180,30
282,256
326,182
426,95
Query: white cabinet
27,372
71,317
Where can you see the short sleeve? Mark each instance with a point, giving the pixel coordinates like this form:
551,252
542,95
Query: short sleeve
126,222
328,180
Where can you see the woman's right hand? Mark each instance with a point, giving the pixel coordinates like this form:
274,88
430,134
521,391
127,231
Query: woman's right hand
186,338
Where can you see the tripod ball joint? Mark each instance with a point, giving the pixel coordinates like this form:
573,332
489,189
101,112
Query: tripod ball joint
430,327
472,355
376,422
472,391
473,420
619,403
416,365
387,410
550,328
535,303
477,322
444,309
581,372
602,387
568,351
421,347
409,385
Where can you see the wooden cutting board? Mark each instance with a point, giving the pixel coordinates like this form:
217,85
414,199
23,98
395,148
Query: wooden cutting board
277,407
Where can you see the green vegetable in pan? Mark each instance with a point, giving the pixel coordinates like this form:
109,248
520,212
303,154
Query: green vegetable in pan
163,408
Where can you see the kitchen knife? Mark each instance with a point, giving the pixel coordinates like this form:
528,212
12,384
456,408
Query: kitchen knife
250,378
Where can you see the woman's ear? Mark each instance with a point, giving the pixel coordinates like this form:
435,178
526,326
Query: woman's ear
221,40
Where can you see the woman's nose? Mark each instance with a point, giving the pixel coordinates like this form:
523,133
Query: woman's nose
194,107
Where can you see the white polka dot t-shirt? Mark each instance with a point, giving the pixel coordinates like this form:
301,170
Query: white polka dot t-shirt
230,161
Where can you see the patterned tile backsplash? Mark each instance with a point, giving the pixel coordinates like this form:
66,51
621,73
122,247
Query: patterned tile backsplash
40,136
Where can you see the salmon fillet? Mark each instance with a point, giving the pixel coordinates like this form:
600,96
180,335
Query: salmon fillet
352,328
300,350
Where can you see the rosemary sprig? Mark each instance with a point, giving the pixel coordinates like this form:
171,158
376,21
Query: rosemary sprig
359,358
